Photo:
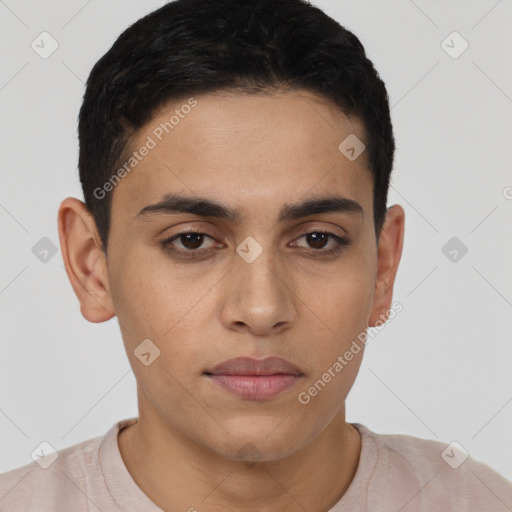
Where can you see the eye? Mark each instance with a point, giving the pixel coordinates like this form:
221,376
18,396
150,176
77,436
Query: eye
318,239
190,242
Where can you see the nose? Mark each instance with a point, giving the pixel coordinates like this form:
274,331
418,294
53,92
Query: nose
259,297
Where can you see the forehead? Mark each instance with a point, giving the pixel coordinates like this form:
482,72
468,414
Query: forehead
266,149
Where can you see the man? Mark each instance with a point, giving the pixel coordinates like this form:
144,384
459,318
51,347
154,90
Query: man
235,158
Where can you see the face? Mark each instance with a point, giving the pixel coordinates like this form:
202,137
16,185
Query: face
268,270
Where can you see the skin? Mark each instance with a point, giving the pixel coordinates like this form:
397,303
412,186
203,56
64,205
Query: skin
254,153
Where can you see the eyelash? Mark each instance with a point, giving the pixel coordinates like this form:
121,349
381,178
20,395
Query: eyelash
341,243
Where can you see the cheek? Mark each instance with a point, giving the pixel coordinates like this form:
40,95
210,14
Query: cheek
132,299
162,302
143,294
339,308
342,300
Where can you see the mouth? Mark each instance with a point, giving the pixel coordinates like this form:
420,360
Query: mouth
253,379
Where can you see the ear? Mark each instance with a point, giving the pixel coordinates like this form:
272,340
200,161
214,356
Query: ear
389,252
84,260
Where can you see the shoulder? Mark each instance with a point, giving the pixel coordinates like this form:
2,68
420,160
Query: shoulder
53,479
434,474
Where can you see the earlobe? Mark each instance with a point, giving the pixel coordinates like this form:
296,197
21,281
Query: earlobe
84,260
388,257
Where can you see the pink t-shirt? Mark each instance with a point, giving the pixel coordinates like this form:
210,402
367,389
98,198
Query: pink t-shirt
395,473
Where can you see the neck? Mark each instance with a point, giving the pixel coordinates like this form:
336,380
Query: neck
313,478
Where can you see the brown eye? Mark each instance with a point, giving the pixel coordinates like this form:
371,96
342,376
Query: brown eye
188,243
192,240
317,240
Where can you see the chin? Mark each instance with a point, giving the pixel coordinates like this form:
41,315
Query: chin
252,444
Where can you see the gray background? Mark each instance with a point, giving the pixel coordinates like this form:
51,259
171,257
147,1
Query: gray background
440,369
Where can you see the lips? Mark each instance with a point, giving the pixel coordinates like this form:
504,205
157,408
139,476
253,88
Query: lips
253,379
250,366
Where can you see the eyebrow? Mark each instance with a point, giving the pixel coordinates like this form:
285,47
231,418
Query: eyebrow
204,207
